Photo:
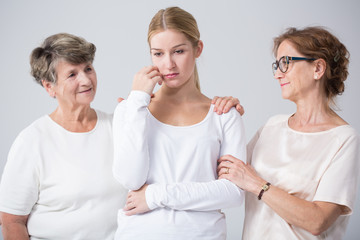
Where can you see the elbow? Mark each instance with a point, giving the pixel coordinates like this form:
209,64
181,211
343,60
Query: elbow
129,183
319,227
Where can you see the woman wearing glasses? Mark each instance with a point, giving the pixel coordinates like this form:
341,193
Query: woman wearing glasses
302,180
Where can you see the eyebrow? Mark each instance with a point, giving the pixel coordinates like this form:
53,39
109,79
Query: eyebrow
176,46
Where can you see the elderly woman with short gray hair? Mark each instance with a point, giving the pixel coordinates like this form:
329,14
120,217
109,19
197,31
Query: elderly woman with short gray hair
57,182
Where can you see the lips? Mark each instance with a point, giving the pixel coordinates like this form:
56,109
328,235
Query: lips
85,91
171,75
283,84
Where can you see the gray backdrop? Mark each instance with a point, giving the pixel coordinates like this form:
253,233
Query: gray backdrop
236,59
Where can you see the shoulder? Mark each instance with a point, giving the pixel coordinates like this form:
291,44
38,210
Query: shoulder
229,120
346,133
277,119
103,116
233,114
28,140
36,128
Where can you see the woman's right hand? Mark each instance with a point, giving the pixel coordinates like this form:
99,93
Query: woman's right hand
240,173
146,79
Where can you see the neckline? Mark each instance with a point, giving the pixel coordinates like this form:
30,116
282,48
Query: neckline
76,133
311,133
211,109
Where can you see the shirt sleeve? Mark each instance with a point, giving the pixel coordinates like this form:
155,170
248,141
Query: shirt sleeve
205,196
19,188
131,155
251,145
340,181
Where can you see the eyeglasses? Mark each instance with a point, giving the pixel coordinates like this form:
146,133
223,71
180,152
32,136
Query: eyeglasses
283,63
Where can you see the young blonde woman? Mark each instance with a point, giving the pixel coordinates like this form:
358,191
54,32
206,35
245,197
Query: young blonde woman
166,150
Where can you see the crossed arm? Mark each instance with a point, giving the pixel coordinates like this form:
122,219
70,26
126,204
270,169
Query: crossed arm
14,227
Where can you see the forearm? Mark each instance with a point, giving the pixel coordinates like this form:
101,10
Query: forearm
14,231
314,217
197,196
131,160
14,227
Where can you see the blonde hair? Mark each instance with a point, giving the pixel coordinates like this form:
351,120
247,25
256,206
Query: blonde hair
61,46
177,19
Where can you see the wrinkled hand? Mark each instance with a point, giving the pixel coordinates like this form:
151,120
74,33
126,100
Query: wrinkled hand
224,104
240,173
136,202
146,79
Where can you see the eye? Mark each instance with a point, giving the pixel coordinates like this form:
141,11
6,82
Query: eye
71,75
88,69
157,54
179,51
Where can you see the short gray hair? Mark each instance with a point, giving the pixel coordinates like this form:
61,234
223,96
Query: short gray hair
61,46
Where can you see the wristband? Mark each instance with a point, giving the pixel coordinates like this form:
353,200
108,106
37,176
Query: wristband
264,189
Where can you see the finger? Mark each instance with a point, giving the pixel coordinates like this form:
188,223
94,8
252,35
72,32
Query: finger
240,109
120,99
233,102
224,176
224,170
148,69
131,212
224,166
214,100
217,103
227,158
154,73
128,206
222,104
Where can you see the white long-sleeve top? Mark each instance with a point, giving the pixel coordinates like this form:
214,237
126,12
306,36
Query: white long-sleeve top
179,163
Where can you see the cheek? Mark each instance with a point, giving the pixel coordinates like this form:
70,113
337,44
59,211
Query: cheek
155,61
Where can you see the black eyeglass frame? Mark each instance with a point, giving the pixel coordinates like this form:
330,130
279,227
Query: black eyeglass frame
276,65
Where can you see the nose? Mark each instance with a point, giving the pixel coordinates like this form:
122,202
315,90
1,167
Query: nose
169,62
279,74
84,79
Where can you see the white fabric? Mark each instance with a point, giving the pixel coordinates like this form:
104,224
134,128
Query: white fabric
64,181
180,164
320,166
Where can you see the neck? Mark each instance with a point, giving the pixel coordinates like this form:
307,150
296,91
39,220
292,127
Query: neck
80,119
184,93
312,111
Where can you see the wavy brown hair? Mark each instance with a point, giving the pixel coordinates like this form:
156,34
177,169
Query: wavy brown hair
317,42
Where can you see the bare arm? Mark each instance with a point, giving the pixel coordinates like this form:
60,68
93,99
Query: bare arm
314,217
14,227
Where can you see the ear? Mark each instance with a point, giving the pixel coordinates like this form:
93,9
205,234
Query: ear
199,49
320,67
49,87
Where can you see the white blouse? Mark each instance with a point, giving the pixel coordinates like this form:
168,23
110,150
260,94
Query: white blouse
319,166
179,163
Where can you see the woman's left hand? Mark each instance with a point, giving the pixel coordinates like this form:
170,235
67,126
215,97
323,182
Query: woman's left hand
240,173
136,202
